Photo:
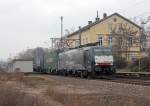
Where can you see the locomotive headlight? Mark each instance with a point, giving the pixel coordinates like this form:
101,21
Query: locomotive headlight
111,60
111,63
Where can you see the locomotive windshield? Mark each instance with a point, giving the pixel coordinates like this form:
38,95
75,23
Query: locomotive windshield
99,52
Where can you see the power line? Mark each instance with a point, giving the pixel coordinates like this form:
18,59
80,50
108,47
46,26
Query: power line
143,14
140,2
137,3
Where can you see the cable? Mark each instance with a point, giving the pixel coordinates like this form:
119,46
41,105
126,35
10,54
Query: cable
137,3
143,14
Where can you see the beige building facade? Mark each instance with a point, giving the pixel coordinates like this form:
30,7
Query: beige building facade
103,32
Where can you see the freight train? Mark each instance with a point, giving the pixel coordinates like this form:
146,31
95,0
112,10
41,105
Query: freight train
84,62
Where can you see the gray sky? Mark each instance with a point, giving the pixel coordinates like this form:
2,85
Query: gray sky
29,23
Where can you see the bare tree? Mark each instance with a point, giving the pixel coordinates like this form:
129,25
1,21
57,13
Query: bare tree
28,54
63,43
123,37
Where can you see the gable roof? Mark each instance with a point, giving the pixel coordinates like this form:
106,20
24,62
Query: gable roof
15,60
97,22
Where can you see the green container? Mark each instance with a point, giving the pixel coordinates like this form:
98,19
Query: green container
51,60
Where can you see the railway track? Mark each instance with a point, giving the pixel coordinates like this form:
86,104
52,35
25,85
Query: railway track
135,80
126,80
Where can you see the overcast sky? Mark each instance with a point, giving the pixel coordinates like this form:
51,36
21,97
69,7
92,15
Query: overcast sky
29,23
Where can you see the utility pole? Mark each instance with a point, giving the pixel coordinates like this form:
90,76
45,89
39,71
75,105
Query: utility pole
61,26
61,32
62,43
79,36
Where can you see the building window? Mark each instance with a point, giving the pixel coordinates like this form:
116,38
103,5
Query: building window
86,40
132,57
120,41
76,43
83,41
100,40
110,25
130,41
110,41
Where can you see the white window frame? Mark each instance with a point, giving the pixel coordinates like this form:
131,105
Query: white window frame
130,43
110,40
100,40
83,41
120,41
76,43
86,40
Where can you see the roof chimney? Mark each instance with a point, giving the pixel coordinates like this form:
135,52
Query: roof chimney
97,17
89,22
104,15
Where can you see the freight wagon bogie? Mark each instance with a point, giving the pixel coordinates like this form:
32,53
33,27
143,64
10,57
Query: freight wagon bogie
54,72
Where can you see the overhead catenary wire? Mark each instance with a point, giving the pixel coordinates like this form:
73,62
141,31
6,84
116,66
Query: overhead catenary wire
140,15
133,5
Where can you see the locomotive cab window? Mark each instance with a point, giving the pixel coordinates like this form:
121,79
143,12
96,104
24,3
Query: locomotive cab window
100,52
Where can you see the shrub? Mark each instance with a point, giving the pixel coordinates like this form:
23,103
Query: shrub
134,69
120,62
11,97
144,65
11,76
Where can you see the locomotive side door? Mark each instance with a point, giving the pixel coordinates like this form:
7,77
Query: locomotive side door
87,60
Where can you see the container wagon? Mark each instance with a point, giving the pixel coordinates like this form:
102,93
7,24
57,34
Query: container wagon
51,62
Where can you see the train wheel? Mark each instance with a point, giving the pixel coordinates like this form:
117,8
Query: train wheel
93,75
81,75
84,74
89,75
